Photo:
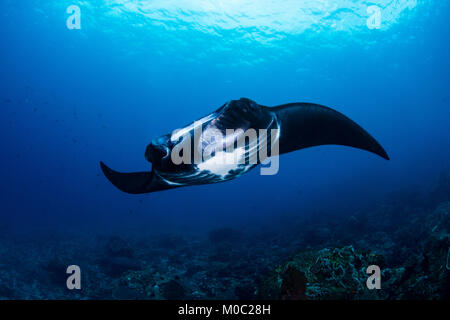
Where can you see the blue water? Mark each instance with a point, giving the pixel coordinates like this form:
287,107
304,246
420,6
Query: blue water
139,69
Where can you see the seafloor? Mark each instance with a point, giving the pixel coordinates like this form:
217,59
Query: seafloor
314,257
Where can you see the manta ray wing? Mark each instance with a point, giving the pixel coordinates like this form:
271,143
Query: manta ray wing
306,125
133,182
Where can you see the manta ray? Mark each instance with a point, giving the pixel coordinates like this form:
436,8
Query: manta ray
287,127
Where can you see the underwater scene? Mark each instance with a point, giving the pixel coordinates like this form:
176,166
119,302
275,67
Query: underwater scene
225,150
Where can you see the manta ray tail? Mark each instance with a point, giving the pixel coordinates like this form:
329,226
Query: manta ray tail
306,125
135,182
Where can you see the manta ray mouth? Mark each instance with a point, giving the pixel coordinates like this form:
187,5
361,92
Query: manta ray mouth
155,153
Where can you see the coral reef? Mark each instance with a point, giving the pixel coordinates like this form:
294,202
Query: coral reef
340,273
315,257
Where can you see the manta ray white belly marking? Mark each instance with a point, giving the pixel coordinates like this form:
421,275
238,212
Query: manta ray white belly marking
223,163
226,164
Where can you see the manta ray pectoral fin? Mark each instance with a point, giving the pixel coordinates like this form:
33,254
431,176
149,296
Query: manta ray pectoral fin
306,125
134,182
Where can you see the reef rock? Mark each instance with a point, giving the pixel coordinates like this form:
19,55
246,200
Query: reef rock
330,273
